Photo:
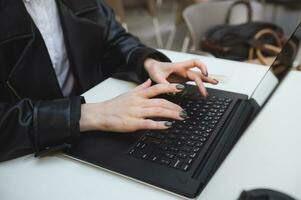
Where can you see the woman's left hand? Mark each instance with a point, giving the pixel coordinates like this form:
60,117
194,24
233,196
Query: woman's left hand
164,72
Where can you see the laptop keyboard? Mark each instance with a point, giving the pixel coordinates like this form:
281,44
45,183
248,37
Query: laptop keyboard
179,146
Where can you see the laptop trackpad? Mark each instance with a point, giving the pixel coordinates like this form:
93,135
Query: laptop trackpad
102,147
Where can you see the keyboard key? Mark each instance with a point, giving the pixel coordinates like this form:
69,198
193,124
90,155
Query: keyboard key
131,151
210,114
173,149
154,141
141,145
214,122
163,147
199,144
209,130
176,163
179,143
182,155
169,155
196,149
190,143
183,137
145,156
192,155
186,148
213,110
172,136
184,167
193,137
164,161
188,160
154,157
206,134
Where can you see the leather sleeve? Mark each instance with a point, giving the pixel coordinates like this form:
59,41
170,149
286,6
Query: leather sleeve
125,54
41,127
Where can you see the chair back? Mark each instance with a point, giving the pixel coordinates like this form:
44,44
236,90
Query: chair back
201,17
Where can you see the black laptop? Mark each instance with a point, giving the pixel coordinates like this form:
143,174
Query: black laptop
182,159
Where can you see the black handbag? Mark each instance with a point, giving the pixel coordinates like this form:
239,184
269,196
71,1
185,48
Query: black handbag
235,41
293,4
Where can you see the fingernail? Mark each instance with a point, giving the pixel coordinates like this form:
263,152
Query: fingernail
206,93
168,124
171,94
216,81
183,114
180,87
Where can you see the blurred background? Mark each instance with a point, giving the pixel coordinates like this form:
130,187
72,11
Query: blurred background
180,25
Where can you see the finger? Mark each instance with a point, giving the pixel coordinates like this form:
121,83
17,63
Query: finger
162,89
161,80
153,125
158,112
206,78
191,64
163,104
210,80
199,82
144,85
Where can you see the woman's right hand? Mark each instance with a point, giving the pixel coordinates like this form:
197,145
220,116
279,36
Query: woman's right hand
132,111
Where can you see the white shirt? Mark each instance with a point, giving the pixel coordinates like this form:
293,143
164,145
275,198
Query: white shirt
46,17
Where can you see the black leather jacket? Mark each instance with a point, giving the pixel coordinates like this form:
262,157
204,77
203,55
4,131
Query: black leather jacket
34,115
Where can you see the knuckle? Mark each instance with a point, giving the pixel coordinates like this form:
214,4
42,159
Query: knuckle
147,124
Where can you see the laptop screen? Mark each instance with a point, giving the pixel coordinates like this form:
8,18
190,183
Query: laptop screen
278,70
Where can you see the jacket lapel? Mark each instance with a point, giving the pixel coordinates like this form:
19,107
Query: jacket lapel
32,75
84,40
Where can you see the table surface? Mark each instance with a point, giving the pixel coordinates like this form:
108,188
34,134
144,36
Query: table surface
265,157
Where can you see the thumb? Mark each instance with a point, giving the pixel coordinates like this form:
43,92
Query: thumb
144,85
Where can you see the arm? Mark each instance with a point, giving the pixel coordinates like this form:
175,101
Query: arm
127,58
125,54
41,126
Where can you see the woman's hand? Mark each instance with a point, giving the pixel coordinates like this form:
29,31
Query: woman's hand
132,111
163,72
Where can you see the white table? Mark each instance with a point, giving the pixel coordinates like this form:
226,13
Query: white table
266,156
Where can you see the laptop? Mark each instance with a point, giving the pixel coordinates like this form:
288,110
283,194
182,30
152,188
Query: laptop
182,159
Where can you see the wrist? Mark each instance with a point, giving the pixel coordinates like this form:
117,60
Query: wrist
84,122
88,120
148,63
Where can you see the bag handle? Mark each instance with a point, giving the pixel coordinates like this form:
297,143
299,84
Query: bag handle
243,2
257,47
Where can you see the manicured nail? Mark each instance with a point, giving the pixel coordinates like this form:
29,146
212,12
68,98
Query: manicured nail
180,87
183,114
168,124
171,94
216,81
